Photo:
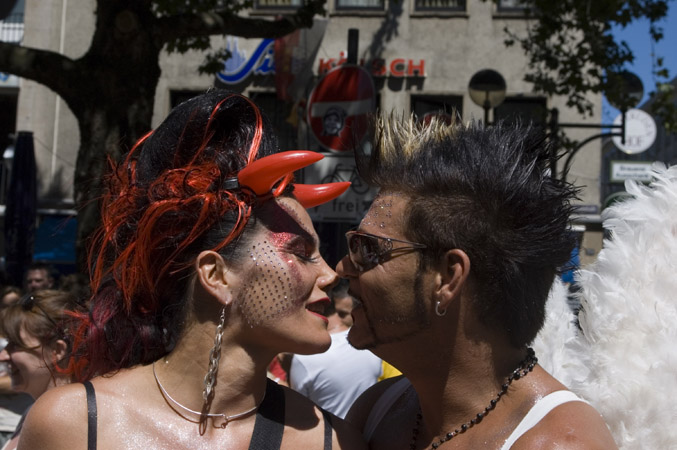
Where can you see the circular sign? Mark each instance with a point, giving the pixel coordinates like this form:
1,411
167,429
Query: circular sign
640,132
339,107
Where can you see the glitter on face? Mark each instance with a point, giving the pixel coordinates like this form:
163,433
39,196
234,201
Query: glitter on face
275,287
380,212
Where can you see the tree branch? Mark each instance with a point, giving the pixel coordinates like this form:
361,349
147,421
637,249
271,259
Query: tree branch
226,22
48,68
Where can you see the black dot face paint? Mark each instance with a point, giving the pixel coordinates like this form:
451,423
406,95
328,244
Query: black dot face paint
276,286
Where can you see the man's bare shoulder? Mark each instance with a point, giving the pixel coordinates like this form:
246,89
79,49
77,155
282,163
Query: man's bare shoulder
359,412
57,420
571,426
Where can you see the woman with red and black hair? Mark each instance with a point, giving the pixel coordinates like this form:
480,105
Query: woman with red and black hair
206,266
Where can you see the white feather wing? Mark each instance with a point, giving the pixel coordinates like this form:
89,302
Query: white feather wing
625,359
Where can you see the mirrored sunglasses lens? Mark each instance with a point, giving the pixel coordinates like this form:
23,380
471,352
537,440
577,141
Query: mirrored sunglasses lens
354,250
370,249
364,251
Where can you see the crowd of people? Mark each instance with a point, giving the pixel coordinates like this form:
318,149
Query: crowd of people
211,320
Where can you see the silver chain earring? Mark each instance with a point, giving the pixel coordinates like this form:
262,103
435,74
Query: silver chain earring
214,358
437,310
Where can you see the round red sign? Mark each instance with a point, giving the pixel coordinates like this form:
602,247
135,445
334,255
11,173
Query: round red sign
339,107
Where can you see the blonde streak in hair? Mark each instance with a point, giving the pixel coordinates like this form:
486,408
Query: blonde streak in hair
410,136
383,137
390,126
413,138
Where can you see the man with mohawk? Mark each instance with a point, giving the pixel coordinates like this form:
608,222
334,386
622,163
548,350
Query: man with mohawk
451,267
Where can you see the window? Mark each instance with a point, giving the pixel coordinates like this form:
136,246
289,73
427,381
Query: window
278,111
439,5
512,5
277,4
426,106
12,21
525,109
8,104
376,5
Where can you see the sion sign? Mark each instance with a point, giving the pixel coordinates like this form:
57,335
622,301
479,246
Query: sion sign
339,107
640,132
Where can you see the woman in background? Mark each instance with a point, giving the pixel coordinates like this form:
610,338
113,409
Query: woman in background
38,344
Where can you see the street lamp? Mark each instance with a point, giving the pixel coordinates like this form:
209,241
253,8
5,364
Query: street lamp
624,90
487,89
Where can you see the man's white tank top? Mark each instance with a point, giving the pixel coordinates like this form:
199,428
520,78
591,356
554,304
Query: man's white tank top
537,412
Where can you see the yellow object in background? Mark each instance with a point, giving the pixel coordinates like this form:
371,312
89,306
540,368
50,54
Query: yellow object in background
388,371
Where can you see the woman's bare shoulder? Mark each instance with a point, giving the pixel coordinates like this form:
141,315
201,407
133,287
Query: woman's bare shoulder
57,420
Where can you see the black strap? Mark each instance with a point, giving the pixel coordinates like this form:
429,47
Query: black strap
327,430
20,425
91,416
269,425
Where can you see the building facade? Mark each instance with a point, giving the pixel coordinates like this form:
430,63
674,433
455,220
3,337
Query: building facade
421,55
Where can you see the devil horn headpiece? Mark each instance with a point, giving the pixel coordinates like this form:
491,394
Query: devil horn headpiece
263,174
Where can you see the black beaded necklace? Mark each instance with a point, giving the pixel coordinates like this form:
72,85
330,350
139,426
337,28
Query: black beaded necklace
526,366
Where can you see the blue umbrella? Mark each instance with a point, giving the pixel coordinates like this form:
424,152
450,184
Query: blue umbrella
20,209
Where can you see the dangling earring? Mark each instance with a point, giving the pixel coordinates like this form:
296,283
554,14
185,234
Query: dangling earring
437,310
214,358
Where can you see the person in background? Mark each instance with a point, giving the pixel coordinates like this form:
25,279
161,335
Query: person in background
343,304
205,267
451,267
335,378
39,276
388,371
9,295
12,403
78,285
38,330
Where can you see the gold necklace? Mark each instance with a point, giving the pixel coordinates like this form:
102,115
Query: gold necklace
226,418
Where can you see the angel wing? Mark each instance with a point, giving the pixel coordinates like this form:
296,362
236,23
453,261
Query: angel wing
623,359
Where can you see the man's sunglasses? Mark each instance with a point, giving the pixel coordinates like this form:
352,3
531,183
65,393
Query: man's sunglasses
366,251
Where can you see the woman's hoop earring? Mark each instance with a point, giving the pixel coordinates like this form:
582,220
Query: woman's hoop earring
437,310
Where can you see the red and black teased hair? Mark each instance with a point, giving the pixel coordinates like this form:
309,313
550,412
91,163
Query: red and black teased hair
165,203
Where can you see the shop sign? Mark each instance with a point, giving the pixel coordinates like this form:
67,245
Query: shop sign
353,204
640,132
238,67
262,62
631,170
8,80
379,67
